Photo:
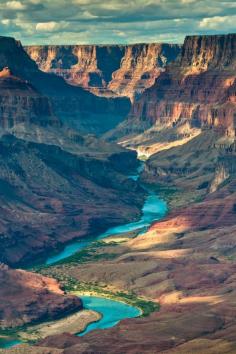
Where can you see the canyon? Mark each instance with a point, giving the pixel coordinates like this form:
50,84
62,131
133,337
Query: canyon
181,121
109,70
73,105
196,92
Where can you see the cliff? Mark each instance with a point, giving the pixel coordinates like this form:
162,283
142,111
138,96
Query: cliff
199,88
20,102
28,297
106,70
71,104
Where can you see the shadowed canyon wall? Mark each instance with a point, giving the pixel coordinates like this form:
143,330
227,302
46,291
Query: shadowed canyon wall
73,105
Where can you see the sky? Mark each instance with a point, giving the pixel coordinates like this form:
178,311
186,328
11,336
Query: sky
114,21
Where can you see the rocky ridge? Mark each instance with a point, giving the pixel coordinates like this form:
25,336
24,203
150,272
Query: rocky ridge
198,89
109,69
70,104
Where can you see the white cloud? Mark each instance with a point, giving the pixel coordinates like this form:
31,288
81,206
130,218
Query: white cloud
5,22
216,22
15,5
51,26
114,21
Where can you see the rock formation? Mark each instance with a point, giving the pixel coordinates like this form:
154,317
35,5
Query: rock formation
199,88
21,103
28,298
106,70
71,104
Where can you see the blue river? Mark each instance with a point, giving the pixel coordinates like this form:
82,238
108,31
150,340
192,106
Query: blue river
112,311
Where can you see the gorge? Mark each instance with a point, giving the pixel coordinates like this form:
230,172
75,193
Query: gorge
83,223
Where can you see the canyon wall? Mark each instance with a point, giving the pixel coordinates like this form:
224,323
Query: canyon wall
201,87
106,70
72,105
21,103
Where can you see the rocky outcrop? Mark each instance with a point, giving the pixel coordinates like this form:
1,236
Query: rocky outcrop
28,298
71,104
21,103
88,66
200,87
106,70
140,66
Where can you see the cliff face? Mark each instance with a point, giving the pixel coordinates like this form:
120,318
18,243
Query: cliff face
106,70
140,66
21,103
200,88
208,52
74,105
28,297
86,65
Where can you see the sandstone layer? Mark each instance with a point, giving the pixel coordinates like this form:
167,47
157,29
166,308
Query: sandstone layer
109,69
199,88
21,103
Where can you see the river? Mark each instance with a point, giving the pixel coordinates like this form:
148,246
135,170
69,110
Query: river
112,311
153,209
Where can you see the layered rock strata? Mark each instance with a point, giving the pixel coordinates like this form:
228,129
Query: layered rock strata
106,70
71,104
199,88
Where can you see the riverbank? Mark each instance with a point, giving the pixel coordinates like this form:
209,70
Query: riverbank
91,250
73,324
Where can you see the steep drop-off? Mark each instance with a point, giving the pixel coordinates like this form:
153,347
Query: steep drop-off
21,103
198,89
109,69
73,105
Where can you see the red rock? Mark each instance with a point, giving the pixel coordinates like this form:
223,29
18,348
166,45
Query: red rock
199,87
106,70
27,298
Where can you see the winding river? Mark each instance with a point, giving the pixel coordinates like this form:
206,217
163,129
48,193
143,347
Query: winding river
153,209
112,311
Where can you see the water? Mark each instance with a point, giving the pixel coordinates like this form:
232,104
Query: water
153,209
7,342
112,312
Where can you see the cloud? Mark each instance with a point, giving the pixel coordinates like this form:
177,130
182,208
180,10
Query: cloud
113,21
216,23
50,26
15,5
